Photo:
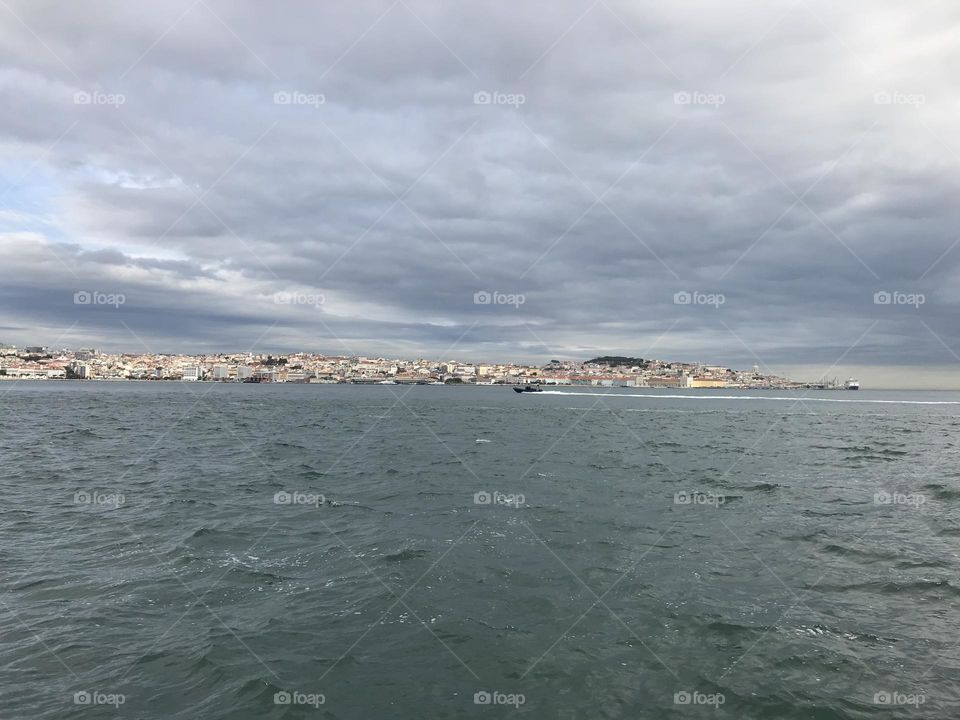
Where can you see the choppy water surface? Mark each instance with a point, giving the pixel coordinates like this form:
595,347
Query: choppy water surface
214,550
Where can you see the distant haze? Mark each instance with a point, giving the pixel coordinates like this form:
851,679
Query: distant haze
731,182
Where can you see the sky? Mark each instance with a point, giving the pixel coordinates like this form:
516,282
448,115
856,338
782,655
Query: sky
729,182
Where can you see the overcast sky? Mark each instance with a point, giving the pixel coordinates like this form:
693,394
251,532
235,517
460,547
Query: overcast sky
730,182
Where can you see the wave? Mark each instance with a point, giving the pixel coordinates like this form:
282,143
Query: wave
916,587
760,487
403,555
942,492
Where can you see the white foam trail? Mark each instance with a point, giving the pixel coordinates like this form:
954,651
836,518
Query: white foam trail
797,398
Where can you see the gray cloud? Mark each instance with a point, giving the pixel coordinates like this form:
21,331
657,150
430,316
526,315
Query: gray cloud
794,158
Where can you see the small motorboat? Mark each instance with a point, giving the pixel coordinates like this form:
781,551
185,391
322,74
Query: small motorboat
528,388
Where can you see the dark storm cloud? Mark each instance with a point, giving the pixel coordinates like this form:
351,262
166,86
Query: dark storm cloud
793,159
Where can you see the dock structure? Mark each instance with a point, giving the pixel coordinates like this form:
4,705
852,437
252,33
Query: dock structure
822,384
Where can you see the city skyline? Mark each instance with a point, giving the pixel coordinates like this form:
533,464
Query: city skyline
42,363
874,377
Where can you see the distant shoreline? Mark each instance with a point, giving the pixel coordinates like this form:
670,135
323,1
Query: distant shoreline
580,388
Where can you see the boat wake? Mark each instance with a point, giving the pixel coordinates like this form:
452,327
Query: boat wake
796,398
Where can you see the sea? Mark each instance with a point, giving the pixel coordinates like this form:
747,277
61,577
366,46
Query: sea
202,550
